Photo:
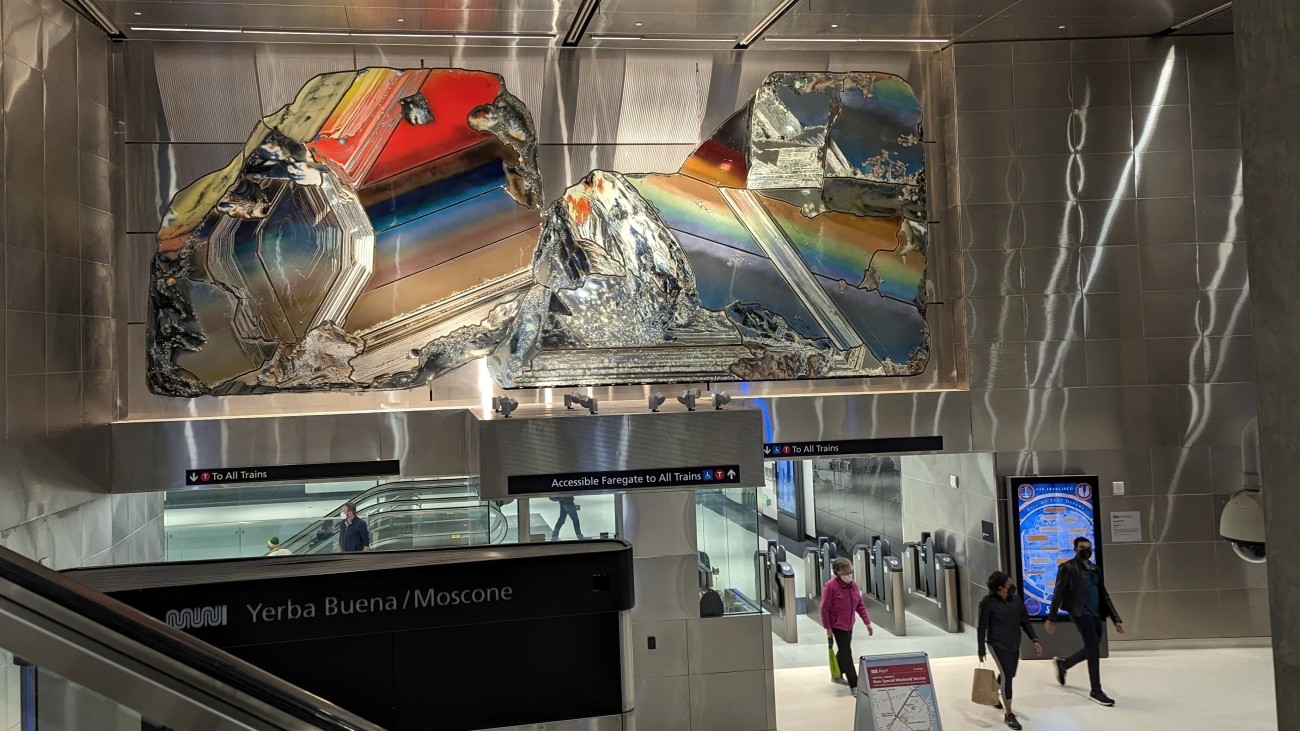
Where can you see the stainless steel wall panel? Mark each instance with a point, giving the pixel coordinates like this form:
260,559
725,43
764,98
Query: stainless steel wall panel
228,104
25,287
1050,271
407,435
1218,172
988,134
1186,566
155,455
984,54
1190,614
659,524
995,319
1161,80
282,70
24,109
1115,362
648,79
1099,49
1177,471
1056,364
1170,314
998,365
61,171
1220,220
1141,613
46,475
1200,360
1041,86
731,643
96,181
663,704
1103,129
63,347
1215,414
1211,81
96,289
1113,315
402,57
63,402
23,32
1100,83
1166,220
1168,267
1216,127
1110,269
1165,175
993,273
159,171
59,69
984,88
990,180
859,416
730,701
1183,518
992,226
597,103
611,441
667,588
134,259
1130,567
670,653
1164,128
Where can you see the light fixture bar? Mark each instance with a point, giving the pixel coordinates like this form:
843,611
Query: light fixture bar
351,34
663,39
749,38
92,11
824,39
1196,19
188,30
581,20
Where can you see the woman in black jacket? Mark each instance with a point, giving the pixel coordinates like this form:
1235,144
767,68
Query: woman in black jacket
1002,615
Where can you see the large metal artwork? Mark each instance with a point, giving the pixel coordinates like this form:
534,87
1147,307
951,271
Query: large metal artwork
388,227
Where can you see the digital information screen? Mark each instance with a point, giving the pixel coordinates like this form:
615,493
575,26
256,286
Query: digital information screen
1050,513
785,487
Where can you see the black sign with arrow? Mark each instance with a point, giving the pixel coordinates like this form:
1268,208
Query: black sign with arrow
572,482
211,476
846,447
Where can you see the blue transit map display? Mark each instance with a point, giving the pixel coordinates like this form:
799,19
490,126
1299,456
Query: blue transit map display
1050,513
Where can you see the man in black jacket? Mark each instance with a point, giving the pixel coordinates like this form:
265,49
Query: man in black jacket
1081,593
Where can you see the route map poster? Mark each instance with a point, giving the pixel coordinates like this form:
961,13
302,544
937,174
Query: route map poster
1050,513
897,694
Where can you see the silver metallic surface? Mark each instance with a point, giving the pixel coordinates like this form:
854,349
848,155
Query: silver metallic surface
46,475
861,416
663,704
623,722
731,643
543,442
165,690
731,701
659,523
669,656
667,588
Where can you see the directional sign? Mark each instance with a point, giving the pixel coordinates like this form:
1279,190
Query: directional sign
213,476
843,447
577,482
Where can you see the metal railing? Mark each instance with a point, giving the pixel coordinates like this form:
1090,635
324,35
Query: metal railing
117,653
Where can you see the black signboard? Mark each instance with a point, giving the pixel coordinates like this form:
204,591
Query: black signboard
843,447
623,480
210,476
403,637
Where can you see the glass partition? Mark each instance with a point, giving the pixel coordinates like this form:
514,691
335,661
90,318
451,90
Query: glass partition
727,532
564,518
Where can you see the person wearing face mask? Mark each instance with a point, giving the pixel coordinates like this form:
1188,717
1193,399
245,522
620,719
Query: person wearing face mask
1080,591
354,534
1002,616
841,602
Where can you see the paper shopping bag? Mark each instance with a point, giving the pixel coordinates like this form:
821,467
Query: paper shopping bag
835,663
984,688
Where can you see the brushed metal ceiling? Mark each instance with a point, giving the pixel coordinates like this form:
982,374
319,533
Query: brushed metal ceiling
958,20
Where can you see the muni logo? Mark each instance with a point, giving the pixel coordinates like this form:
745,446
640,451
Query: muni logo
197,617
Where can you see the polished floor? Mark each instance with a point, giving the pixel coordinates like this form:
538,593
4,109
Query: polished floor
1188,690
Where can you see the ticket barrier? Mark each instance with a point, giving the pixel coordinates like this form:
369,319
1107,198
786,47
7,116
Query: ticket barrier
818,571
932,593
779,597
883,591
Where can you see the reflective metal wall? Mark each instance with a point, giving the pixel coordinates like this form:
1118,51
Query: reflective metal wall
1099,195
190,106
56,283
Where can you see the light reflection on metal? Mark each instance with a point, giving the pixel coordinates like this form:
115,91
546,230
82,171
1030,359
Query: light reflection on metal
393,215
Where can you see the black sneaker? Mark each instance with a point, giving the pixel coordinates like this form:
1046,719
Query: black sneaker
1011,721
1101,698
1060,670
997,705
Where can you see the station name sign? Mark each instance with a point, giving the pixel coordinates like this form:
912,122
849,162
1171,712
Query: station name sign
843,447
209,476
624,480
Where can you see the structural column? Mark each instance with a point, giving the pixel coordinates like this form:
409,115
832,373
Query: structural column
1267,36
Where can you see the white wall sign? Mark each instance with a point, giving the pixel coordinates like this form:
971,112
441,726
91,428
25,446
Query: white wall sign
1126,526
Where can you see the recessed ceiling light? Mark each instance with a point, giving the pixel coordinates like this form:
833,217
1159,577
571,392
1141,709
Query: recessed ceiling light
189,30
826,39
639,24
1060,27
835,25
138,13
401,20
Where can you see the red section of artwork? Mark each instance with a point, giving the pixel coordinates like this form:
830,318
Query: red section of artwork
718,163
451,94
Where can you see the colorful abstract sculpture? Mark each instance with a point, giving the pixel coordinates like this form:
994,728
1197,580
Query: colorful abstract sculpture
388,227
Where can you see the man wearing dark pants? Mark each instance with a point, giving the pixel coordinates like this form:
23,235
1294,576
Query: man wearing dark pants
1081,592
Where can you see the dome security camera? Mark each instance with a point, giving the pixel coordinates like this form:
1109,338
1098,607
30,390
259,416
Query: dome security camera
1242,521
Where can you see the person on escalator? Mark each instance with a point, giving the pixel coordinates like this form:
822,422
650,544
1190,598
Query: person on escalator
354,534
841,604
273,548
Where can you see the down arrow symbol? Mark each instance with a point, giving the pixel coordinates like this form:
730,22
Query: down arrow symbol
194,477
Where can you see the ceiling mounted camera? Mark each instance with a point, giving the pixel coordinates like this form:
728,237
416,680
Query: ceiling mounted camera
1242,521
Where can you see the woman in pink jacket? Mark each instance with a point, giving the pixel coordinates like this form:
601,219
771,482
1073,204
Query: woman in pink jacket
841,600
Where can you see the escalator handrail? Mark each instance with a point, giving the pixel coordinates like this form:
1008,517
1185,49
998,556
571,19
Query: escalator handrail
305,541
112,617
377,525
306,534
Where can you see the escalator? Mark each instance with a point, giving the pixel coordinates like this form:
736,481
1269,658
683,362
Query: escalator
90,663
426,513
